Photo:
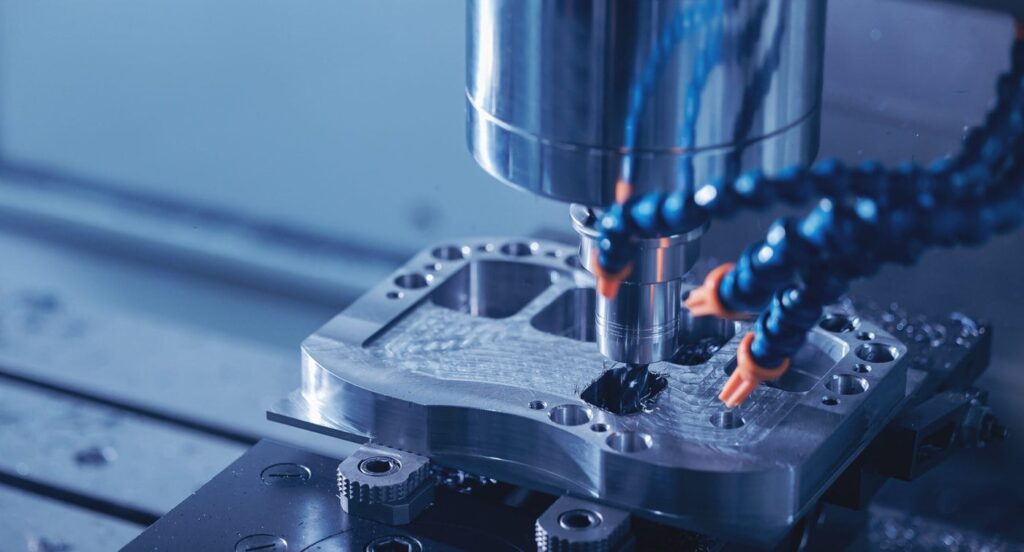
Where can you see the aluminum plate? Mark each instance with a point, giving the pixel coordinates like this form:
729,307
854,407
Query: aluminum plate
469,354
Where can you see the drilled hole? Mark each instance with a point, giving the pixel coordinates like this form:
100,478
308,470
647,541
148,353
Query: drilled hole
876,352
517,249
412,281
865,336
630,441
432,267
599,428
837,323
450,253
380,465
829,401
577,520
538,405
728,419
394,295
862,368
485,248
847,384
570,415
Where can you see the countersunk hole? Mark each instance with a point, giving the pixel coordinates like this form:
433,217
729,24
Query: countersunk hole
518,249
728,419
599,427
394,295
570,415
862,368
829,401
574,261
865,336
847,384
394,543
450,253
432,267
578,520
630,441
413,280
380,465
876,352
837,323
538,405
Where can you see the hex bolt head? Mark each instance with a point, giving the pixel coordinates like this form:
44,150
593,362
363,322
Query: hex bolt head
385,485
394,543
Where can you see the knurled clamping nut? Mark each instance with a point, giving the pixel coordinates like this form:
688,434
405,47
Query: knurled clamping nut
574,525
386,485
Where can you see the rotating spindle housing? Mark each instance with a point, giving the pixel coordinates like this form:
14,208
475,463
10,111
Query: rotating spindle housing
551,84
565,99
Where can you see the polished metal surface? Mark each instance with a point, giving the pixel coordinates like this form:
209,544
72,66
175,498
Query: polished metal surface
646,321
493,392
550,86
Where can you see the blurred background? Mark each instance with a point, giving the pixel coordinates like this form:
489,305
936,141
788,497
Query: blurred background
189,188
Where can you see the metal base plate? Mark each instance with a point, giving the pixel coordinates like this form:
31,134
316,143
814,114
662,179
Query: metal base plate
279,499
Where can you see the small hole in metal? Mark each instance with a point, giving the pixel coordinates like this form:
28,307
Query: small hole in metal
394,295
876,352
450,253
518,249
538,405
847,384
570,415
829,401
728,419
432,267
837,323
599,427
862,368
630,441
412,280
578,520
380,465
865,336
485,248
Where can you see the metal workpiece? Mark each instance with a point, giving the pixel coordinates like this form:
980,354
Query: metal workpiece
558,94
646,320
479,354
574,525
385,485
